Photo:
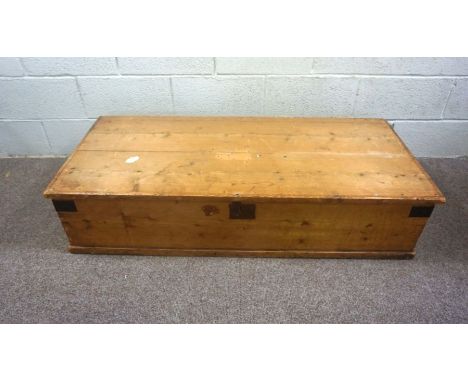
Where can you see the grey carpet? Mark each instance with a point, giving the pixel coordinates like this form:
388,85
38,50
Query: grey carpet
41,283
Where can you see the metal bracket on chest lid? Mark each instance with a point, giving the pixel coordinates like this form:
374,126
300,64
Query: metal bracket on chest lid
421,211
239,210
64,205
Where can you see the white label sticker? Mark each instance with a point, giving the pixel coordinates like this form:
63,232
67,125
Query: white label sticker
132,159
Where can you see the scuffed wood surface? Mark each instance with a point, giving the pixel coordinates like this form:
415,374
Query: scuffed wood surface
259,158
161,223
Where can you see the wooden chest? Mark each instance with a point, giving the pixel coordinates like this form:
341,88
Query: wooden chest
243,186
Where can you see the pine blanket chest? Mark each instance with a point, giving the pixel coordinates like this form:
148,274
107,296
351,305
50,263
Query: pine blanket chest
243,186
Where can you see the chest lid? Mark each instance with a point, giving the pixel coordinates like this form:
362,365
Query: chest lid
243,158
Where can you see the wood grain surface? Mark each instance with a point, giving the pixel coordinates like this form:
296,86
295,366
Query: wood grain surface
315,188
277,226
244,157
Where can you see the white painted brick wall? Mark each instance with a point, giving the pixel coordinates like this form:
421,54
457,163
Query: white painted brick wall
166,65
457,105
125,95
434,138
280,65
218,96
11,66
22,138
309,96
64,135
48,104
402,97
39,98
78,66
391,66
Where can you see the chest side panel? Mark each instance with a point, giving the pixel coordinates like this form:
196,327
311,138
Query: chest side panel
128,223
